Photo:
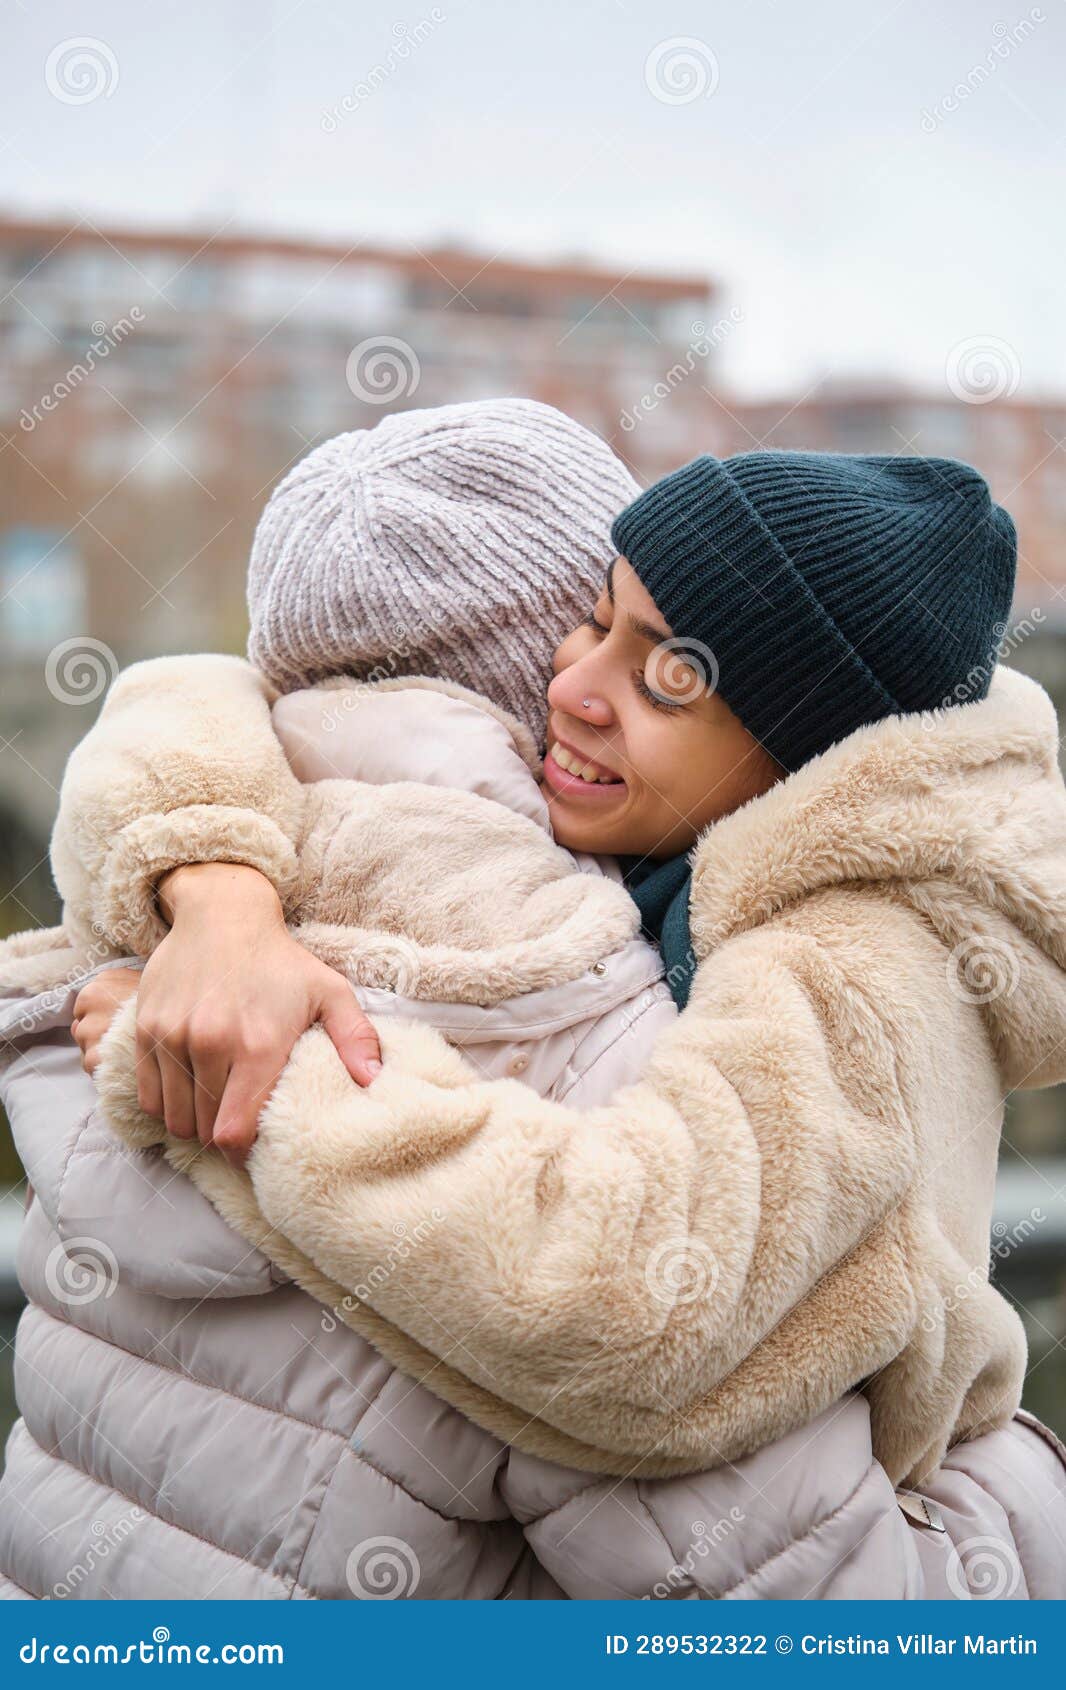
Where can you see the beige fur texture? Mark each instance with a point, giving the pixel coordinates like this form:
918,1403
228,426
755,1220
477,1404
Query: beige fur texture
797,1196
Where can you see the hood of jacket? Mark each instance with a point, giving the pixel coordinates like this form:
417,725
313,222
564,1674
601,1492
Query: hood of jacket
961,813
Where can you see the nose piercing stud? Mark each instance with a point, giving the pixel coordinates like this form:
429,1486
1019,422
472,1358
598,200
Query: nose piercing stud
585,702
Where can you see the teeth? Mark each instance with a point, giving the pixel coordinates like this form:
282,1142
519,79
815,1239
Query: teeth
573,766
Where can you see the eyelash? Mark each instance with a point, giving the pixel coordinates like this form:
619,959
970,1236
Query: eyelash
653,698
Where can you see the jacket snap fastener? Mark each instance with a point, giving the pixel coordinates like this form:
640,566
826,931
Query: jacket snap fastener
518,1064
920,1510
599,969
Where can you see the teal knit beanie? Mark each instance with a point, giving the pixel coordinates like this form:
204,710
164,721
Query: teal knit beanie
832,590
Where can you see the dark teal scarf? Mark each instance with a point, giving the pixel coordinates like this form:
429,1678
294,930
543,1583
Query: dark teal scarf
660,892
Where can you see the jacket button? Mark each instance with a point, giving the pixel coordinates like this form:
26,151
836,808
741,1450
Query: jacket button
599,969
518,1064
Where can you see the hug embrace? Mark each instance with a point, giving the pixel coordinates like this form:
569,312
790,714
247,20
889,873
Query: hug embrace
541,1031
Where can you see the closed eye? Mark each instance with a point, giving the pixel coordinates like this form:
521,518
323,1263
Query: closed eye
590,621
655,699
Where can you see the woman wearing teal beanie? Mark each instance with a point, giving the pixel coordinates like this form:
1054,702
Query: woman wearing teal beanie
813,594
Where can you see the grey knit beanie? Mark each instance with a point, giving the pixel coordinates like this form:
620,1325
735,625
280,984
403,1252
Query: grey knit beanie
462,542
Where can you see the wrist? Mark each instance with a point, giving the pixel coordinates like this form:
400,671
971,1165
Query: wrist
194,890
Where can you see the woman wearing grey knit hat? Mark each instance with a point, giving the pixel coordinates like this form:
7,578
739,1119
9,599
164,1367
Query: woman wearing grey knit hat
462,541
862,831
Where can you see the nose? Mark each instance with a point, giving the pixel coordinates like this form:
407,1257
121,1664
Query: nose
573,692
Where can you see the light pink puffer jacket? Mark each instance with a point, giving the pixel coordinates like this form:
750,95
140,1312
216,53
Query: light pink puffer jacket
192,1428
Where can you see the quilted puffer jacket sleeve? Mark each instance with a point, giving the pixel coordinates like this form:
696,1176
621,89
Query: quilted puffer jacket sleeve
812,1517
182,766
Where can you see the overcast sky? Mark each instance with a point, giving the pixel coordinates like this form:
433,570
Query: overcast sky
802,153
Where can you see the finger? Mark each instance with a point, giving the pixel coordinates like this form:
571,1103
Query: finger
238,1117
179,1110
211,1076
85,1001
87,1037
149,1079
353,1036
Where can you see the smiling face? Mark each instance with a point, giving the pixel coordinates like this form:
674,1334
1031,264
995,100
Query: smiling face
642,752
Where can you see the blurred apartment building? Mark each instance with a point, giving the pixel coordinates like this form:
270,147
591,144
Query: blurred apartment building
154,385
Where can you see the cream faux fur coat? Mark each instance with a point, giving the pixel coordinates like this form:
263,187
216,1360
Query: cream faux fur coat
796,1196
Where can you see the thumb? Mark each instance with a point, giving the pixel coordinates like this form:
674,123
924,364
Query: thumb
353,1036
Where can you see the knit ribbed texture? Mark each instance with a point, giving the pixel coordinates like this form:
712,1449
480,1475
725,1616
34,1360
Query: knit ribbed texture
833,590
463,542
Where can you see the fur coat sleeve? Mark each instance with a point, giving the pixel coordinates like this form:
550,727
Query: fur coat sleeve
181,766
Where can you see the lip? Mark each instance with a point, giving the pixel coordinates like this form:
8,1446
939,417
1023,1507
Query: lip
567,785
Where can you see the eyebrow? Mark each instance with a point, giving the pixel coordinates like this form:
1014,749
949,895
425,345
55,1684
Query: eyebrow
644,630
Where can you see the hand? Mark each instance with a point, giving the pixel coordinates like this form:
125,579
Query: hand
95,1008
222,1001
